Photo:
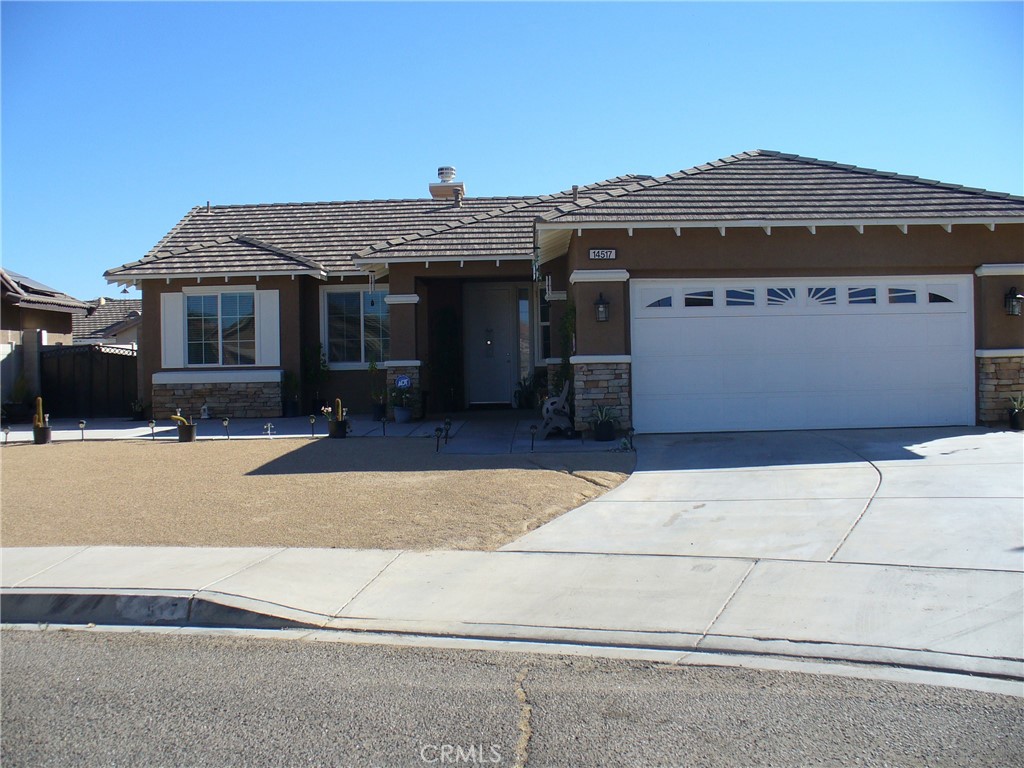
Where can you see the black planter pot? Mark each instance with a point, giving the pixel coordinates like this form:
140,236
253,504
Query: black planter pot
1016,420
42,435
604,431
337,429
403,415
186,433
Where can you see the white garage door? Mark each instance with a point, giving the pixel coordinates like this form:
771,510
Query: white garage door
808,353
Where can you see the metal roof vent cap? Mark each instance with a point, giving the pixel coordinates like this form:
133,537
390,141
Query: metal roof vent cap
446,173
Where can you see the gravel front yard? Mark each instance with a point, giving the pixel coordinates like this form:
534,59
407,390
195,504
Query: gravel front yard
388,493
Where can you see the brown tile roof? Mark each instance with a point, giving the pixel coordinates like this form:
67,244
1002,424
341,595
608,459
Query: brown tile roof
771,186
314,237
25,292
502,233
105,318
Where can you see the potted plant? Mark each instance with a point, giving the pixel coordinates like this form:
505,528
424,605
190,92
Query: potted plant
525,395
138,410
337,419
377,392
603,421
1016,412
186,428
41,433
400,399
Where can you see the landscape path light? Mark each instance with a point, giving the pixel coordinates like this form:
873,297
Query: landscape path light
438,431
447,428
629,433
81,428
7,433
312,425
533,436
225,421
152,429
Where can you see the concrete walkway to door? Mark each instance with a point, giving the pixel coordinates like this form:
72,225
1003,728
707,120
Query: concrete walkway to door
898,539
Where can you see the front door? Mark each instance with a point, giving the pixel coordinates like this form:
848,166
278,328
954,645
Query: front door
491,353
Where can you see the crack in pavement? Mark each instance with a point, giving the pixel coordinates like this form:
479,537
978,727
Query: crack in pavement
524,726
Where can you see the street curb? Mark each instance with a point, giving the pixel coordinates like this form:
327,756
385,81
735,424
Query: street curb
213,610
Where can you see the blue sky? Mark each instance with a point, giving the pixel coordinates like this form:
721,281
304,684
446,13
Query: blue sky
117,118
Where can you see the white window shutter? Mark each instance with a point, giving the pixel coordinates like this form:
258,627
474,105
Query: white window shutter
268,328
172,330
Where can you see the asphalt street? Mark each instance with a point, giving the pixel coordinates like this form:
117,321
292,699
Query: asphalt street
178,699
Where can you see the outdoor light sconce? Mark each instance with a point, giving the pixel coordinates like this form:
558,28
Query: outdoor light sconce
1012,302
312,425
225,421
152,429
81,428
601,308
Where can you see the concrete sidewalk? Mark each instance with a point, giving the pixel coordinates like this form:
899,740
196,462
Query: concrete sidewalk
923,618
475,432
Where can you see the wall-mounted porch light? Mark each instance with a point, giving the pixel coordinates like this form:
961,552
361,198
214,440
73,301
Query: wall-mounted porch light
601,305
1012,302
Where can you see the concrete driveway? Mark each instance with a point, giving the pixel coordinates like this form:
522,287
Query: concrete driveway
897,545
941,498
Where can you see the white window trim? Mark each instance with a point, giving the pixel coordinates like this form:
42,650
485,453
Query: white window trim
359,288
214,290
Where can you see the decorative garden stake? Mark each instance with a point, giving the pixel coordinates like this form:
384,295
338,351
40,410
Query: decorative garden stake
225,421
268,429
81,428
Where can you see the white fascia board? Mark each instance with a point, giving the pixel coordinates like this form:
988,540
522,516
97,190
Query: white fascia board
402,298
999,353
1000,270
598,276
775,223
437,259
217,276
219,376
595,359
401,363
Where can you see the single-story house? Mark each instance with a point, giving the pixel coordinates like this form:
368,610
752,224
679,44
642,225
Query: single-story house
760,291
109,321
32,315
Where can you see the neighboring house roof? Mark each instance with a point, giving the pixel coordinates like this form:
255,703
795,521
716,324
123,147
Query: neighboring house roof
106,318
21,291
767,186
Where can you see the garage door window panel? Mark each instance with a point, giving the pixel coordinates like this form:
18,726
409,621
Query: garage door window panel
902,296
703,298
862,295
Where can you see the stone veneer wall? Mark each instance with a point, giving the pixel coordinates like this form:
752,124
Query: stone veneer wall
998,379
236,400
415,398
602,384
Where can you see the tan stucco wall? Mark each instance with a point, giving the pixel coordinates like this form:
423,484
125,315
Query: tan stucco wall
794,251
